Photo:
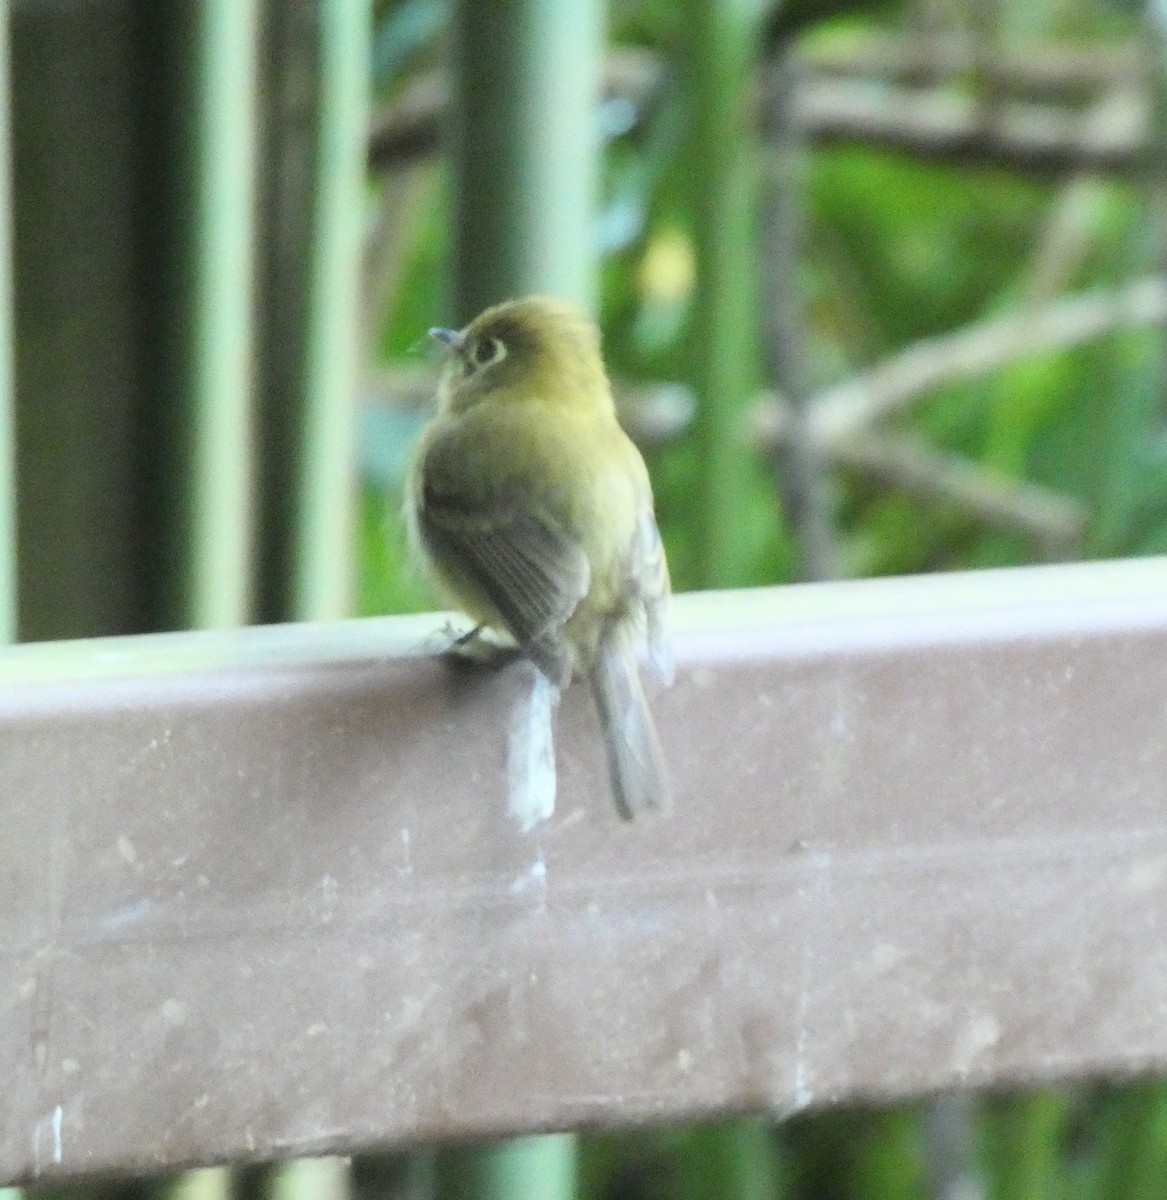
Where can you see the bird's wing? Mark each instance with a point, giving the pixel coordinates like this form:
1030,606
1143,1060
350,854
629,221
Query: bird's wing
528,569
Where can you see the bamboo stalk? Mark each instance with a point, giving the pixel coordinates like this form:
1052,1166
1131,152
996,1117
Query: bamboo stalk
525,142
730,1160
530,1168
524,139
217,591
324,539
1031,1133
722,42
324,1178
1135,1158
721,57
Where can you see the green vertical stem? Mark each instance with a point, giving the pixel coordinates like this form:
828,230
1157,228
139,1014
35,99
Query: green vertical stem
1155,15
1031,1134
218,383
310,1179
731,1160
525,144
324,538
209,1183
7,333
316,59
524,139
1134,1151
885,1155
534,1168
1155,193
722,38
205,231
722,43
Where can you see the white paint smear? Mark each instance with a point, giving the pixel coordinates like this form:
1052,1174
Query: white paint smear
531,756
48,1129
534,876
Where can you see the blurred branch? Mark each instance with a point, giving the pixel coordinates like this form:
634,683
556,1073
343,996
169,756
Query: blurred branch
400,388
1053,70
909,465
839,419
661,412
410,126
653,414
894,385
657,414
1070,228
941,123
879,108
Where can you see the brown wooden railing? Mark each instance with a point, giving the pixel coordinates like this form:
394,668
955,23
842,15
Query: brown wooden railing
260,893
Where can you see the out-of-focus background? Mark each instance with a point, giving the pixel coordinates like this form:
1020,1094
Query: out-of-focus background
936,303
881,292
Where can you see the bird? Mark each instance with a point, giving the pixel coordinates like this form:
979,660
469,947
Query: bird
531,510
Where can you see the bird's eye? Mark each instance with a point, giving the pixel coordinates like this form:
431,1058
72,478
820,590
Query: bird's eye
487,350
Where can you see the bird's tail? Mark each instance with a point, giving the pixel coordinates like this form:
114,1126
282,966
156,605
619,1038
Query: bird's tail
640,781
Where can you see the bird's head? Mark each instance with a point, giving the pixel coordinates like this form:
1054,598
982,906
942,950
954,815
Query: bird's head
536,349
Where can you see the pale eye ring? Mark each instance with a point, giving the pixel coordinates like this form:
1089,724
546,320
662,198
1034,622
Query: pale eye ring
487,350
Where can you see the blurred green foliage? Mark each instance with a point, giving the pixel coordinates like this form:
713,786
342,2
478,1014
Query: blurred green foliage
897,251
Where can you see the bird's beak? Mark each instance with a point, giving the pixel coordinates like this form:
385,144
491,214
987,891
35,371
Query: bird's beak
448,339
